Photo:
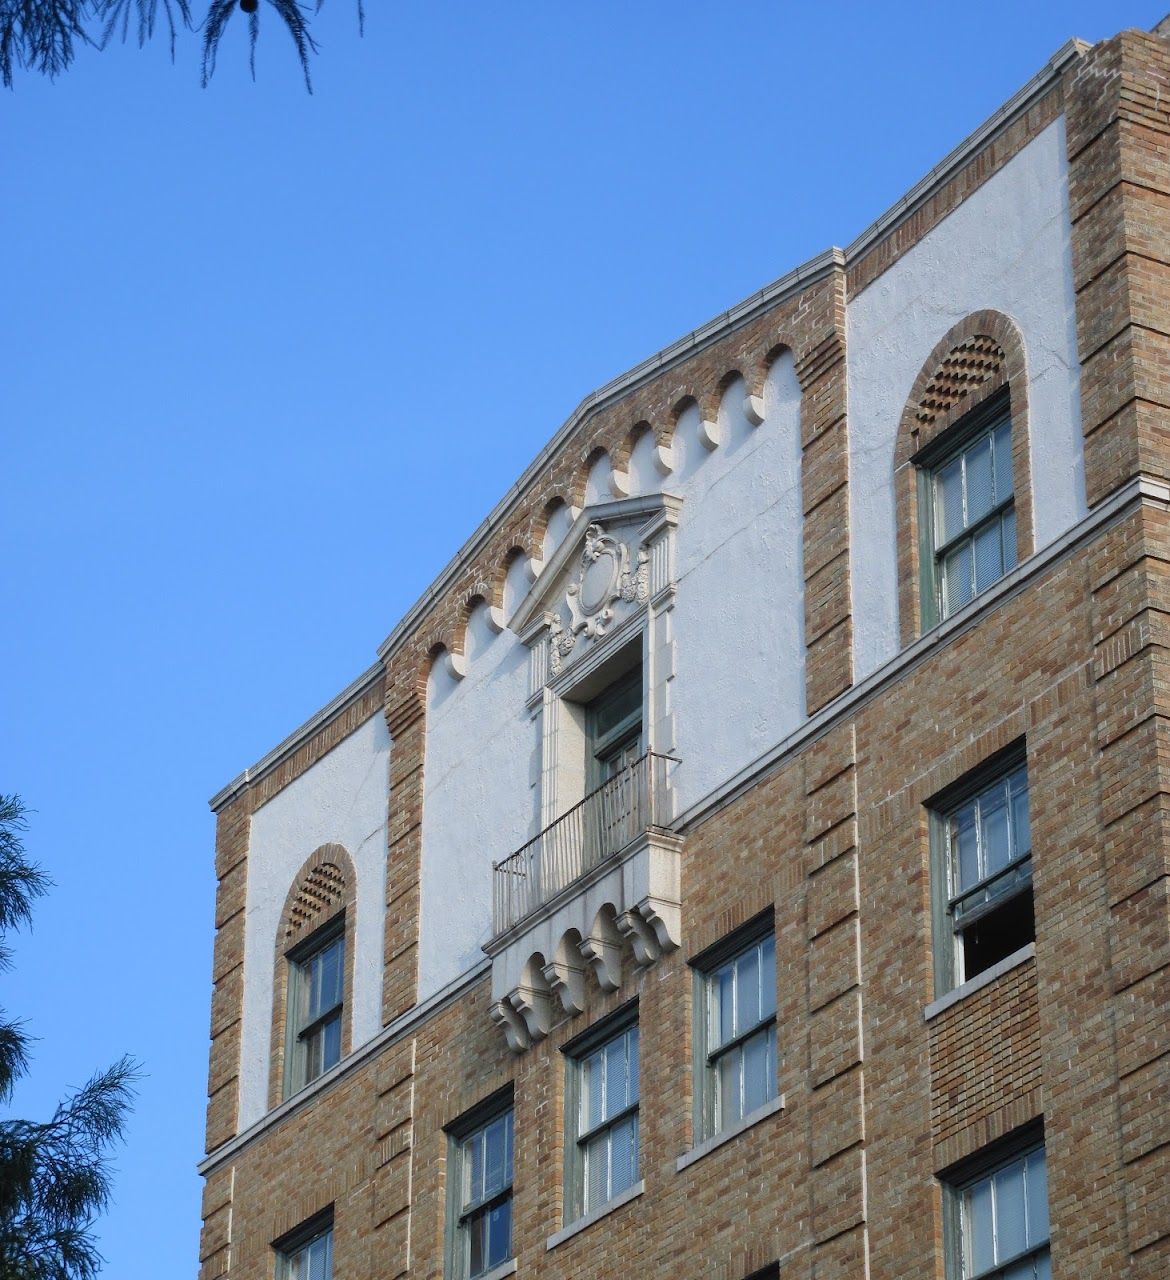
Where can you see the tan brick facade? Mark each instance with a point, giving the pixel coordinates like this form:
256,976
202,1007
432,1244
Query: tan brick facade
885,1088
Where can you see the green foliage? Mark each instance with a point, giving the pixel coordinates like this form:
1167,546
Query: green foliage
54,1175
44,35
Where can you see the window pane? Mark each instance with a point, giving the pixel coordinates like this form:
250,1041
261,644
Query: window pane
330,1043
1010,1236
1043,1266
980,490
747,995
948,501
477,1245
1036,1175
723,1012
1021,827
966,847
473,1155
956,572
768,977
994,823
979,1228
1008,527
757,1065
615,1076
494,1179
988,556
729,1070
596,1171
319,1265
632,1036
624,1156
499,1232
1003,462
592,1091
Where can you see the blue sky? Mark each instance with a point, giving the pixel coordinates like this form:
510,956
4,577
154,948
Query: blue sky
267,359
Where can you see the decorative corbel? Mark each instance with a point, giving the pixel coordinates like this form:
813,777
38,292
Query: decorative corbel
602,949
753,409
641,936
534,1004
663,919
512,1025
566,979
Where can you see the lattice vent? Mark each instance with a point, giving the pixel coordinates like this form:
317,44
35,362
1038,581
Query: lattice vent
972,363
322,892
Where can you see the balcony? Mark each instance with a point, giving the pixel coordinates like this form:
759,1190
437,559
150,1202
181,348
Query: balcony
604,823
567,903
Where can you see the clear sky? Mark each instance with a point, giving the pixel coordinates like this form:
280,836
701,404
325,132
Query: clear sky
267,359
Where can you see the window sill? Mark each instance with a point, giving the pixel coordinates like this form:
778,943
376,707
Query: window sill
595,1215
498,1273
749,1121
988,976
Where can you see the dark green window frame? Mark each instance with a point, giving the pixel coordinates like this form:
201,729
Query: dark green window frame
934,550
479,1217
995,1212
613,727
756,1031
307,1252
313,1036
584,1138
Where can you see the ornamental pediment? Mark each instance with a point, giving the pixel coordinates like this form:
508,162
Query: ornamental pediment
615,558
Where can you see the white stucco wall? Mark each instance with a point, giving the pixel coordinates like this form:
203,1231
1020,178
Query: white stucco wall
738,629
1005,248
342,799
482,766
738,614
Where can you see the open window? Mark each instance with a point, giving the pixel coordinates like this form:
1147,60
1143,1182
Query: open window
982,845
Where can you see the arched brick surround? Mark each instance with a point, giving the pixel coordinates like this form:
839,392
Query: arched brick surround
978,357
323,889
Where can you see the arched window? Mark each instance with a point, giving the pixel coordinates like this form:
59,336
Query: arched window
314,973
962,472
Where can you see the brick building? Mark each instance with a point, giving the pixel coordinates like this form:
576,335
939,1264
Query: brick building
751,856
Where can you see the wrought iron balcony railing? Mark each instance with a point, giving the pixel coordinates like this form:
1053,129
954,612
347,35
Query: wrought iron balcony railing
598,827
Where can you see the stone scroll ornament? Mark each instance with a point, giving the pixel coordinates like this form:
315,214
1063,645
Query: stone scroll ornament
603,579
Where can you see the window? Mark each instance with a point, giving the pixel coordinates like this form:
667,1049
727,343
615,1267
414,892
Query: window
985,846
603,1111
737,1035
480,1198
614,728
968,512
316,981
308,1254
998,1221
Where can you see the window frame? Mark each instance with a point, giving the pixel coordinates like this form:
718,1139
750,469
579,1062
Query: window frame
981,421
949,970
296,1075
299,1239
981,1167
576,1053
707,1121
460,1133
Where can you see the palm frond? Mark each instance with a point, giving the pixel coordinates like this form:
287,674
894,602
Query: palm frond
41,35
149,15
